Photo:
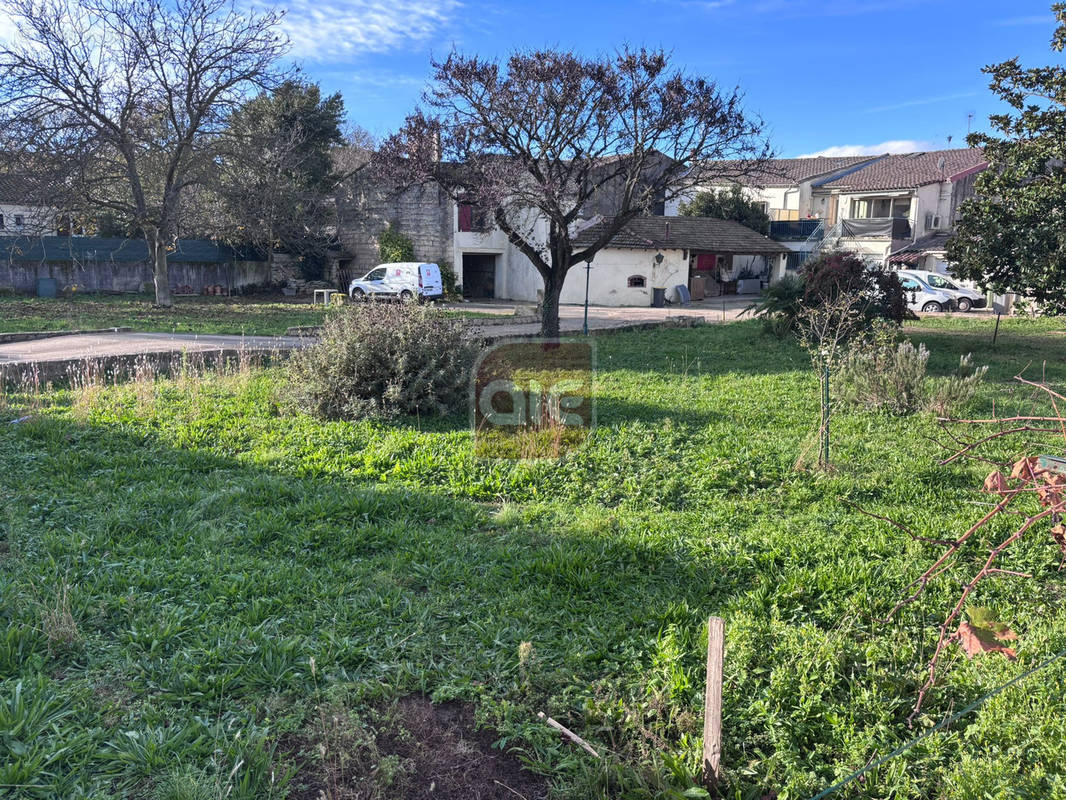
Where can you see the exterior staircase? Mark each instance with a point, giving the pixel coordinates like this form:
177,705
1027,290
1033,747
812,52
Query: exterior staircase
822,239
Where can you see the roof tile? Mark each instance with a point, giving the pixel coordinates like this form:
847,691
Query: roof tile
690,233
908,170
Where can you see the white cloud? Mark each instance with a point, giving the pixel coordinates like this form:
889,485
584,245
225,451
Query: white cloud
891,146
383,79
923,101
329,30
1036,19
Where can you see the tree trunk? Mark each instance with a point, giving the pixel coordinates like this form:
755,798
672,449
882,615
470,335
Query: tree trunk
553,286
549,307
157,248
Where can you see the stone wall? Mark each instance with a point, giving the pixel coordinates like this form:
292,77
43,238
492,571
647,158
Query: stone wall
422,213
126,276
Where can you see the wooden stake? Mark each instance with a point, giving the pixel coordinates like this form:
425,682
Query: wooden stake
569,734
712,704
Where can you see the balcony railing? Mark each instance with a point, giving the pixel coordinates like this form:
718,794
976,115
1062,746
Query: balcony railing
793,230
876,228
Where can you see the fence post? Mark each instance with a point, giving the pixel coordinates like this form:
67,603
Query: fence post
712,704
825,417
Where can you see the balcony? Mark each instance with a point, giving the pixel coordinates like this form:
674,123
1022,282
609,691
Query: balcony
795,230
893,228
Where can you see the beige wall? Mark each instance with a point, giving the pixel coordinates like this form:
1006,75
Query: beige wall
611,269
36,221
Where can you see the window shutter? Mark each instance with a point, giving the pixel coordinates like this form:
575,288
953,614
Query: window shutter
466,217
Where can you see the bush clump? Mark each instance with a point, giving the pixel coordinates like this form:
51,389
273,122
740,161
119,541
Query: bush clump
384,360
826,284
880,373
395,247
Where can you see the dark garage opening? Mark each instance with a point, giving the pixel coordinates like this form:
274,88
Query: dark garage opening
479,275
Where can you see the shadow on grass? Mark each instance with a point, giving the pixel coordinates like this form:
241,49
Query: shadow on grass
198,582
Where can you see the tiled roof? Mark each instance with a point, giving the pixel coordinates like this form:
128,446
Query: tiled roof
908,170
102,248
17,189
790,171
690,233
912,253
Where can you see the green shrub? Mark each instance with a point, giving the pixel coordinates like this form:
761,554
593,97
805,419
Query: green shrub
826,285
881,373
448,278
394,247
779,305
383,360
833,274
954,391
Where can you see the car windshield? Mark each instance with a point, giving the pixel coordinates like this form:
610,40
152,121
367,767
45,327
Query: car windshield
941,283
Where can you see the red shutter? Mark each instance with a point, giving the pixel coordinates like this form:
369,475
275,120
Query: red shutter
705,262
466,217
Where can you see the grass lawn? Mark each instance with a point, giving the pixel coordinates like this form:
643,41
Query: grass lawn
252,316
201,593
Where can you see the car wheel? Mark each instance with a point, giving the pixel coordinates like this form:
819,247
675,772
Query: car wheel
932,306
407,296
965,304
358,295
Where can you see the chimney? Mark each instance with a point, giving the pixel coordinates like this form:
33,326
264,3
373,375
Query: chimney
436,145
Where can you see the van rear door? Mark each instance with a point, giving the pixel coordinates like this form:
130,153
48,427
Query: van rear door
429,280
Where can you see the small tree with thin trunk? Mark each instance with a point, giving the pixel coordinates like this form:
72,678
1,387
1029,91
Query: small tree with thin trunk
121,102
547,138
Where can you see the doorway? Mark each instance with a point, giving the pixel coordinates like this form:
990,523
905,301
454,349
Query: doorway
479,275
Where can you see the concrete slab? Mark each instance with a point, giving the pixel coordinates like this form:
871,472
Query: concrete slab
571,317
99,345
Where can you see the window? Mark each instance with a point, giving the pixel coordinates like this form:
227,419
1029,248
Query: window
636,282
466,217
937,282
910,284
1,221
375,275
18,220
881,207
471,218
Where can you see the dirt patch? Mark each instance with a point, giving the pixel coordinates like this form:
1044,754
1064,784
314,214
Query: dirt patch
413,750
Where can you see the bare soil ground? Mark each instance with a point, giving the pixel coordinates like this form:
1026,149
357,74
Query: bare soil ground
419,751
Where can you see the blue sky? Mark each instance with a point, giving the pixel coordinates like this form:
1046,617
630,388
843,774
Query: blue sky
880,75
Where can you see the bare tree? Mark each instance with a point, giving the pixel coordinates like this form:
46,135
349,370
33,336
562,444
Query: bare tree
121,102
534,141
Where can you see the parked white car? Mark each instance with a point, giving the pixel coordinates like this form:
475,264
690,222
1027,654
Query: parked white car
964,298
920,296
408,281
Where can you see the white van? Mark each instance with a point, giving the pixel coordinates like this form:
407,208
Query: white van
964,298
408,281
920,296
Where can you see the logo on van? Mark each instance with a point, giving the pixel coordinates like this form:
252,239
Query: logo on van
533,398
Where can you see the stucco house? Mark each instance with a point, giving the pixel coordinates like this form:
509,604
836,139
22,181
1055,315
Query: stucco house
871,205
488,266
666,252
783,186
896,201
20,214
